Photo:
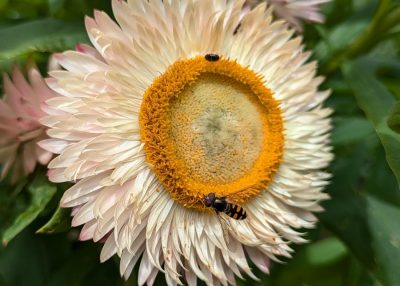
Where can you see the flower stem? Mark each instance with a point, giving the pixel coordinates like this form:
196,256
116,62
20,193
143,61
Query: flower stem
384,20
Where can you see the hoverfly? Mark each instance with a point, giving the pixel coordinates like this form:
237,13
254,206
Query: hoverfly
221,205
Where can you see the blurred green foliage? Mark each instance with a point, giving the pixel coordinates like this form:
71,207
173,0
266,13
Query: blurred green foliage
357,242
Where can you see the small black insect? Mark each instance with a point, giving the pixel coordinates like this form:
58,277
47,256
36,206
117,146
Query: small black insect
237,28
220,204
212,57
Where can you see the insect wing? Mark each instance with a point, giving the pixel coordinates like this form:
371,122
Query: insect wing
226,226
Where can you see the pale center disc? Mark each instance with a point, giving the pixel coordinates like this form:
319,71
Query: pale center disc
217,128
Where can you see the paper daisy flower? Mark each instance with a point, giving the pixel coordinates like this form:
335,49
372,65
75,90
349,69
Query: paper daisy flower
20,111
295,11
180,102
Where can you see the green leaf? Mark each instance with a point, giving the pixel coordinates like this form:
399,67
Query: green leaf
345,213
315,264
376,101
350,129
380,181
394,86
28,253
46,35
59,222
394,118
42,192
3,3
327,251
336,47
55,6
337,40
384,222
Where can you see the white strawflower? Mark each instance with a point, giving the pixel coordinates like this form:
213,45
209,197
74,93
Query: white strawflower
178,101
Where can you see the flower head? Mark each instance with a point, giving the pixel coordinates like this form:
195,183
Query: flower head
183,105
20,111
295,11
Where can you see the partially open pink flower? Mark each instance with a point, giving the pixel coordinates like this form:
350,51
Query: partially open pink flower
295,11
20,111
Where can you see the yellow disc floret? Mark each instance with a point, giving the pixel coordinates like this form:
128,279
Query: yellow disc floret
211,127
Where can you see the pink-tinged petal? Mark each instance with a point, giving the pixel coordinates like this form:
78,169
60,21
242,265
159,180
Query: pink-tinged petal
75,210
109,249
13,97
29,157
30,135
53,64
57,175
80,63
53,145
8,161
17,170
43,156
39,87
6,111
295,11
145,269
86,49
88,230
259,259
84,215
10,128
30,103
7,150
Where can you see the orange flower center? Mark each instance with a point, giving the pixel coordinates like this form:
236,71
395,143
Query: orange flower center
211,127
